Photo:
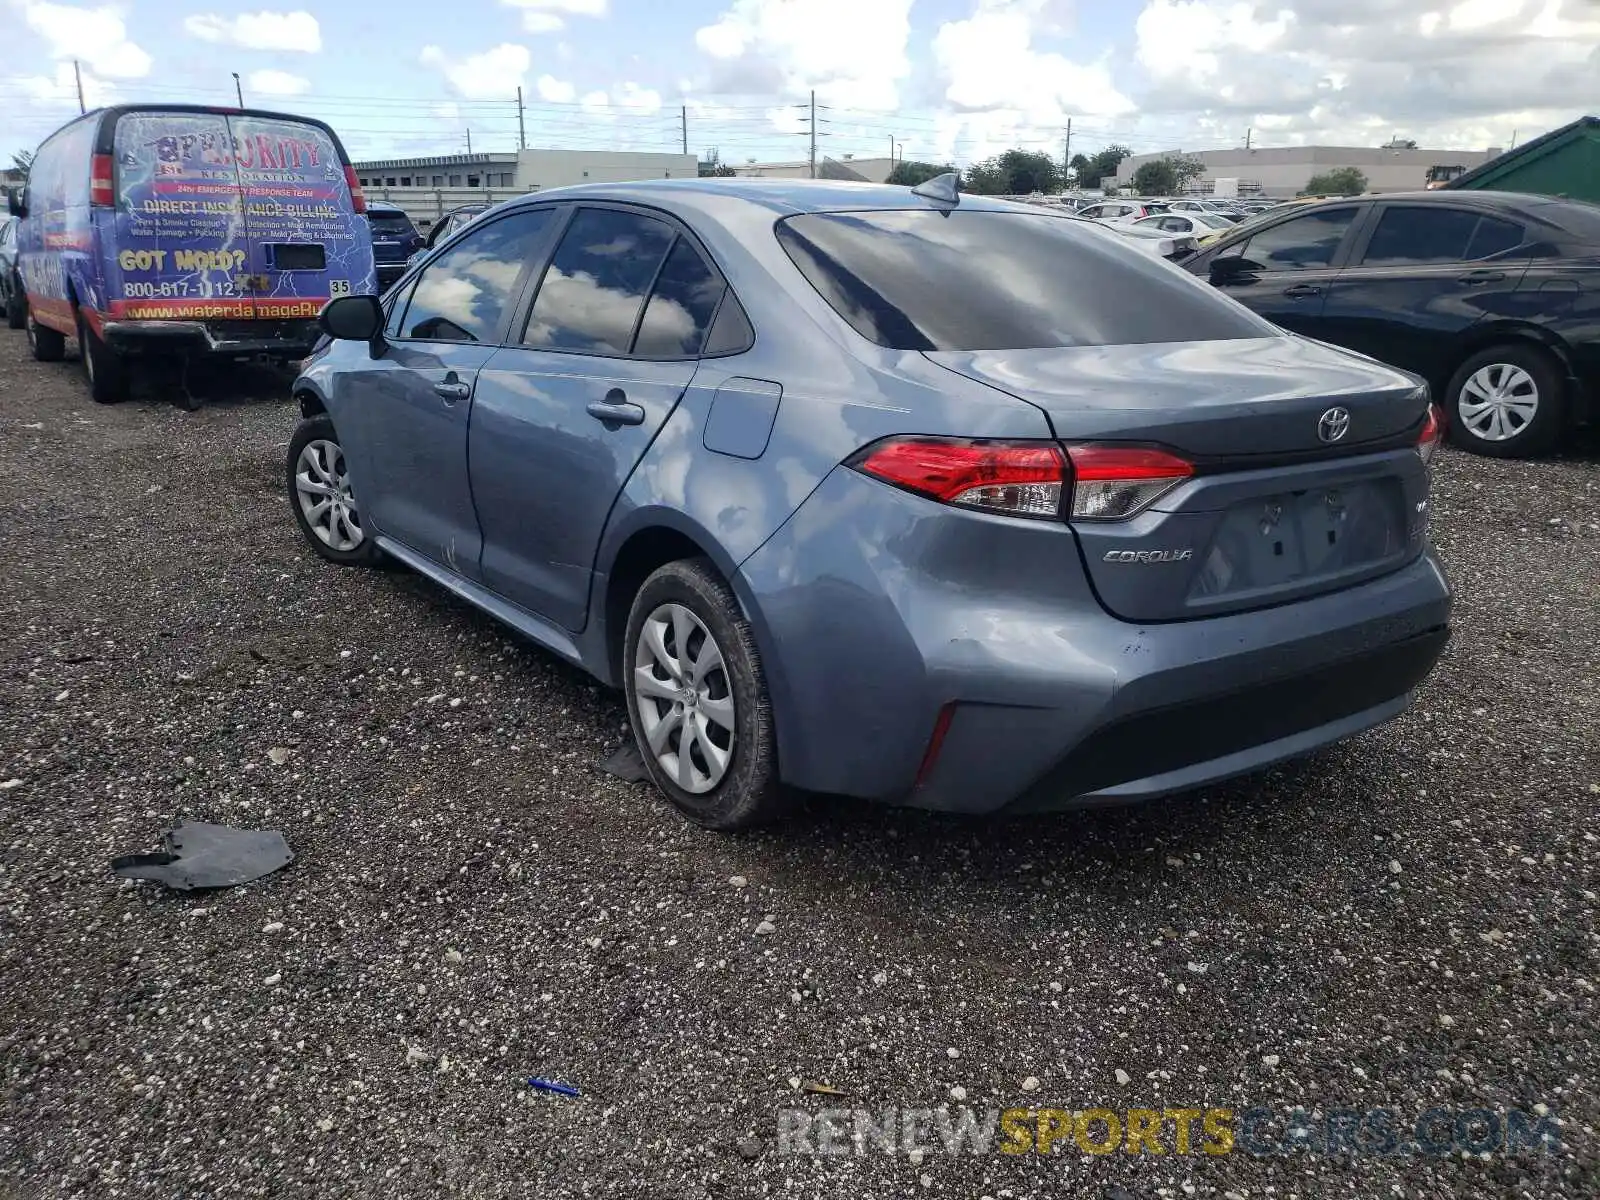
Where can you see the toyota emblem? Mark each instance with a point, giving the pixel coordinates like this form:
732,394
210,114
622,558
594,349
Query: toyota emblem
1333,424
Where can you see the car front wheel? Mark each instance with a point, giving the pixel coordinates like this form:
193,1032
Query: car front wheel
1506,402
323,501
697,699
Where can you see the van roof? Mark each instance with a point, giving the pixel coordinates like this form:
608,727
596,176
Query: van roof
108,117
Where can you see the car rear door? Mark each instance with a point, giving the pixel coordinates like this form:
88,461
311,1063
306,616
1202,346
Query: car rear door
565,412
304,242
1284,270
1420,276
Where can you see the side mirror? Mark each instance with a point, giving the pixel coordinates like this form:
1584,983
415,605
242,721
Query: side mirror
1228,270
353,318
14,203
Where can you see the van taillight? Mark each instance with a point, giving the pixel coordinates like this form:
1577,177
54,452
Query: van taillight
100,192
358,198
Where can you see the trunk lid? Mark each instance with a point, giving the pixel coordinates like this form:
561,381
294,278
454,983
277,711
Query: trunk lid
1274,512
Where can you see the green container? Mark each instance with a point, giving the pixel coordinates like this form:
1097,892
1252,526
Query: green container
1564,162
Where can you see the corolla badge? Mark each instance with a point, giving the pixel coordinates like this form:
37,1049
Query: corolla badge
1333,424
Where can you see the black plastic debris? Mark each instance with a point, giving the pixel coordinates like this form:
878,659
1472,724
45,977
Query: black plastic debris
198,855
626,763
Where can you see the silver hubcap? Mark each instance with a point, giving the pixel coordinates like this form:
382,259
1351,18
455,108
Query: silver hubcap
685,701
323,490
1498,402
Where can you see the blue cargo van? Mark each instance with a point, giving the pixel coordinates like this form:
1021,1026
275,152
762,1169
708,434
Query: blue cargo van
177,229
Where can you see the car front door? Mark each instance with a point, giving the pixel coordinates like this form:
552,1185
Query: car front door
404,415
1283,271
565,412
1426,274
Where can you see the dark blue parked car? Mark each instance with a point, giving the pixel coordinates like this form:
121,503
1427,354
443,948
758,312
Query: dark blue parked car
905,495
394,240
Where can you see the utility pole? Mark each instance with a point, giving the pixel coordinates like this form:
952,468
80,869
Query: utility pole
237,89
522,131
683,116
1247,135
78,75
469,139
813,133
1066,156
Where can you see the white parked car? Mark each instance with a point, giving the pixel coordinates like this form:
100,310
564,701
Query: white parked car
1171,246
1119,211
1198,224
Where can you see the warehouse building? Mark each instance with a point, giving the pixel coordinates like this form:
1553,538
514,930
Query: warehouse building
846,167
1280,173
429,187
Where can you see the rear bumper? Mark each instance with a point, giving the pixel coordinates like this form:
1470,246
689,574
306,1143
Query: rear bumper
389,272
877,610
277,339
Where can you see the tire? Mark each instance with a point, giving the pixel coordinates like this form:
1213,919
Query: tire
104,369
731,780
16,308
1506,402
317,473
46,344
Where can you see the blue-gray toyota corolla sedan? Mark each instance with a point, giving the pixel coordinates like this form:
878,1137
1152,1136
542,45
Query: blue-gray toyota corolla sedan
912,496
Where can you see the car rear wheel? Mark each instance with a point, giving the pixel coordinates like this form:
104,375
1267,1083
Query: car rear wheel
320,494
46,344
1506,402
697,699
103,367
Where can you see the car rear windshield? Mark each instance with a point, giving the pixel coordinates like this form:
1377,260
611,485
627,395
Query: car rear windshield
390,222
915,279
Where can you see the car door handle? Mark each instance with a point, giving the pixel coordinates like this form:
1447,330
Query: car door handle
1300,290
453,390
1473,278
615,409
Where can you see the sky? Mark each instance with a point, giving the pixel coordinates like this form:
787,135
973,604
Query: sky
939,80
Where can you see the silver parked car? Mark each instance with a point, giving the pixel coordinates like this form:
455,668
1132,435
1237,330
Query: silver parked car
912,496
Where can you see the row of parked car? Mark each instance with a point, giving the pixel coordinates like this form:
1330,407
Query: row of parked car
830,528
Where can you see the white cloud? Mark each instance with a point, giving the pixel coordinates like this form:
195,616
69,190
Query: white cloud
277,83
595,102
493,75
853,52
61,90
542,22
988,62
550,16
556,91
292,31
97,37
633,96
1188,38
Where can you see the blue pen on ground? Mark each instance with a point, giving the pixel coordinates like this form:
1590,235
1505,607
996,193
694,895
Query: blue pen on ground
549,1085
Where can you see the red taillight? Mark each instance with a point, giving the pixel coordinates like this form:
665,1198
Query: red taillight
358,198
930,756
1114,482
1432,433
100,192
1018,479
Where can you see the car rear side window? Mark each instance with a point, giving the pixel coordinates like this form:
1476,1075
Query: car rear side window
595,285
680,307
1411,235
917,279
1304,243
1494,236
462,295
391,224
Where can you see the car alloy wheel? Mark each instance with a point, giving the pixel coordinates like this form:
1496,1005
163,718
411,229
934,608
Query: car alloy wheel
684,698
322,487
1498,401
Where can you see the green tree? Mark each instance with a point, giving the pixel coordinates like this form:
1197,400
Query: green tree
22,161
1079,166
1166,176
1341,181
712,165
909,173
1029,171
1102,168
985,178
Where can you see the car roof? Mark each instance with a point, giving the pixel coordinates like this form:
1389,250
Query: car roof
384,206
786,196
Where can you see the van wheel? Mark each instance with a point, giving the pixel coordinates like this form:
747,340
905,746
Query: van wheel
103,367
1506,402
697,699
16,310
46,344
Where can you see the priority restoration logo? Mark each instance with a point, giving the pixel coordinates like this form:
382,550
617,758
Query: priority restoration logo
1196,1131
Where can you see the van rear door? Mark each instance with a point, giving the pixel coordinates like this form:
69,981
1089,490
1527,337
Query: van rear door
305,241
232,215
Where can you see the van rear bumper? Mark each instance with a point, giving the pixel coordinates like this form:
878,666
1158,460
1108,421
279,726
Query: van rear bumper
277,339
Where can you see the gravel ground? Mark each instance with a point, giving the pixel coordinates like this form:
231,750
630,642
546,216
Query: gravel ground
1405,921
